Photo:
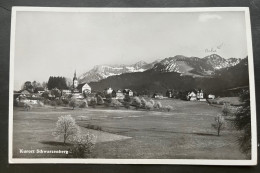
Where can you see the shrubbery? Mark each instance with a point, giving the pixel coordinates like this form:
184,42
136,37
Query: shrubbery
93,102
127,105
27,107
116,104
158,105
40,103
46,101
59,102
73,103
53,103
100,100
152,102
136,102
82,145
225,109
127,101
143,103
84,104
169,108
65,101
149,106
108,98
45,94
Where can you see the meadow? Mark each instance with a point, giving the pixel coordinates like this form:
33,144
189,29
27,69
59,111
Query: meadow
183,133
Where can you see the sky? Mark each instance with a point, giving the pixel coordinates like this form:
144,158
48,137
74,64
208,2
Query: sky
58,43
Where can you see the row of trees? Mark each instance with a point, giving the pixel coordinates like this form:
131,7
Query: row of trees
53,82
34,86
149,105
57,82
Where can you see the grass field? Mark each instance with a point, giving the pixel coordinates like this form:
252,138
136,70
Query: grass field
184,133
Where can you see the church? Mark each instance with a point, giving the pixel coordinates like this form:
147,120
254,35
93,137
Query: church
80,88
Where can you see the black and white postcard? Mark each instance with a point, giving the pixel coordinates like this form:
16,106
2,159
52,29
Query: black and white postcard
132,86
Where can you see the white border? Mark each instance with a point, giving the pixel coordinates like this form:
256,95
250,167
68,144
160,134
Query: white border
253,160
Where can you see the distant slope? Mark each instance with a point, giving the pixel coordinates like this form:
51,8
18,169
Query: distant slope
154,81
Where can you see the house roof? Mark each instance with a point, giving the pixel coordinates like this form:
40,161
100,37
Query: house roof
81,85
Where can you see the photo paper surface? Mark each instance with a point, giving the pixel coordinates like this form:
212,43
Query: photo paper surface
132,86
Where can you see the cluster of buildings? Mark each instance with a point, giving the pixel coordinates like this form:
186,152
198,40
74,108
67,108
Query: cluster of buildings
77,90
198,95
119,94
193,95
81,90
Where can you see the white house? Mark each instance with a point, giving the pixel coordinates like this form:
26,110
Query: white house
108,90
200,95
120,95
84,88
128,92
192,96
196,95
211,96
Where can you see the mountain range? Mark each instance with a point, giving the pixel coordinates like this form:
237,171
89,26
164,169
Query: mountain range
185,66
154,80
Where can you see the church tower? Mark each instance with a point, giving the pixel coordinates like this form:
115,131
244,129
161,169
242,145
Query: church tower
75,81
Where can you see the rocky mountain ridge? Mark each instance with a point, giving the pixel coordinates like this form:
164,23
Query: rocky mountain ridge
190,66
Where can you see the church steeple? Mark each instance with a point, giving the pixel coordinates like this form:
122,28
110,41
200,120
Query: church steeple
75,75
75,80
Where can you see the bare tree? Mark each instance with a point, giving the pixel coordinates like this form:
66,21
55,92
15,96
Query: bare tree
219,123
65,128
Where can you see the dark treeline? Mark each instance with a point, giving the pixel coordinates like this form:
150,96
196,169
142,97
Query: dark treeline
57,82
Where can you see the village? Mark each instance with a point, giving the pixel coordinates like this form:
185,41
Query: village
82,91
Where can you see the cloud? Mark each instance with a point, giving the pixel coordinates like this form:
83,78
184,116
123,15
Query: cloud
206,17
